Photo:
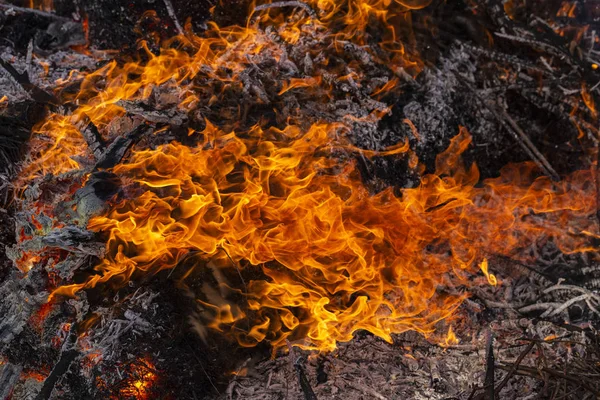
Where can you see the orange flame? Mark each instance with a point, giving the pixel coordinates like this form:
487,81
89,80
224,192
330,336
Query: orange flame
335,258
588,99
450,339
328,258
490,277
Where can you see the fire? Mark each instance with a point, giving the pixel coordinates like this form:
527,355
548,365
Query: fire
335,259
142,378
450,339
490,277
589,101
278,203
44,5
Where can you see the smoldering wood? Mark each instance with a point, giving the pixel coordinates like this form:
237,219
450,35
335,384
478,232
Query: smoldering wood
9,375
67,356
115,152
93,139
34,91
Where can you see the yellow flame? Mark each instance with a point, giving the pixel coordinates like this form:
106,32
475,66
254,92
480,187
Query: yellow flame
490,277
450,339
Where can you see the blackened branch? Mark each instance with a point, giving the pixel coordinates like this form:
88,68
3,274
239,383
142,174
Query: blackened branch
279,4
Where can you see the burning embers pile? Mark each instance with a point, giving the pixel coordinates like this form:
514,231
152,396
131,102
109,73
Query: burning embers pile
239,159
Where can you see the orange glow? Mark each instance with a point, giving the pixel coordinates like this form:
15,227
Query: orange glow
142,377
35,375
589,101
567,9
37,319
3,101
44,5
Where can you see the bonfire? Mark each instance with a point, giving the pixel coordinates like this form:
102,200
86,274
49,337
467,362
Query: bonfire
314,199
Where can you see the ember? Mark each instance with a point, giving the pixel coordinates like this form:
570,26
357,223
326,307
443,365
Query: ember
308,180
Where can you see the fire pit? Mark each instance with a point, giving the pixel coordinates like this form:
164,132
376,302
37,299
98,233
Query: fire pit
299,199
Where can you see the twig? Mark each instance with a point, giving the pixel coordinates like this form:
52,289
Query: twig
528,145
302,380
9,7
204,370
538,306
489,369
171,13
536,372
278,4
514,129
68,355
365,389
515,366
93,139
22,79
565,305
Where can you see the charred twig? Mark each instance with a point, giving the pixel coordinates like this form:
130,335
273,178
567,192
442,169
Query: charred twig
35,92
309,394
516,364
171,117
9,7
537,373
94,139
514,129
68,355
527,144
171,13
117,149
489,369
279,4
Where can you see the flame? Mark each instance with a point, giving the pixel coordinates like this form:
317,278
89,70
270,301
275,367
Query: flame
335,259
490,277
326,256
450,339
567,9
588,99
44,5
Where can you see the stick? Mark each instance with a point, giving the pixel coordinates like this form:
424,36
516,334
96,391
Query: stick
516,364
513,128
302,380
489,370
35,92
9,7
68,355
528,145
171,13
93,139
277,4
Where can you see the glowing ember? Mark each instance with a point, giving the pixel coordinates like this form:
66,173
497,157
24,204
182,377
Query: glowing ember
142,378
37,319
